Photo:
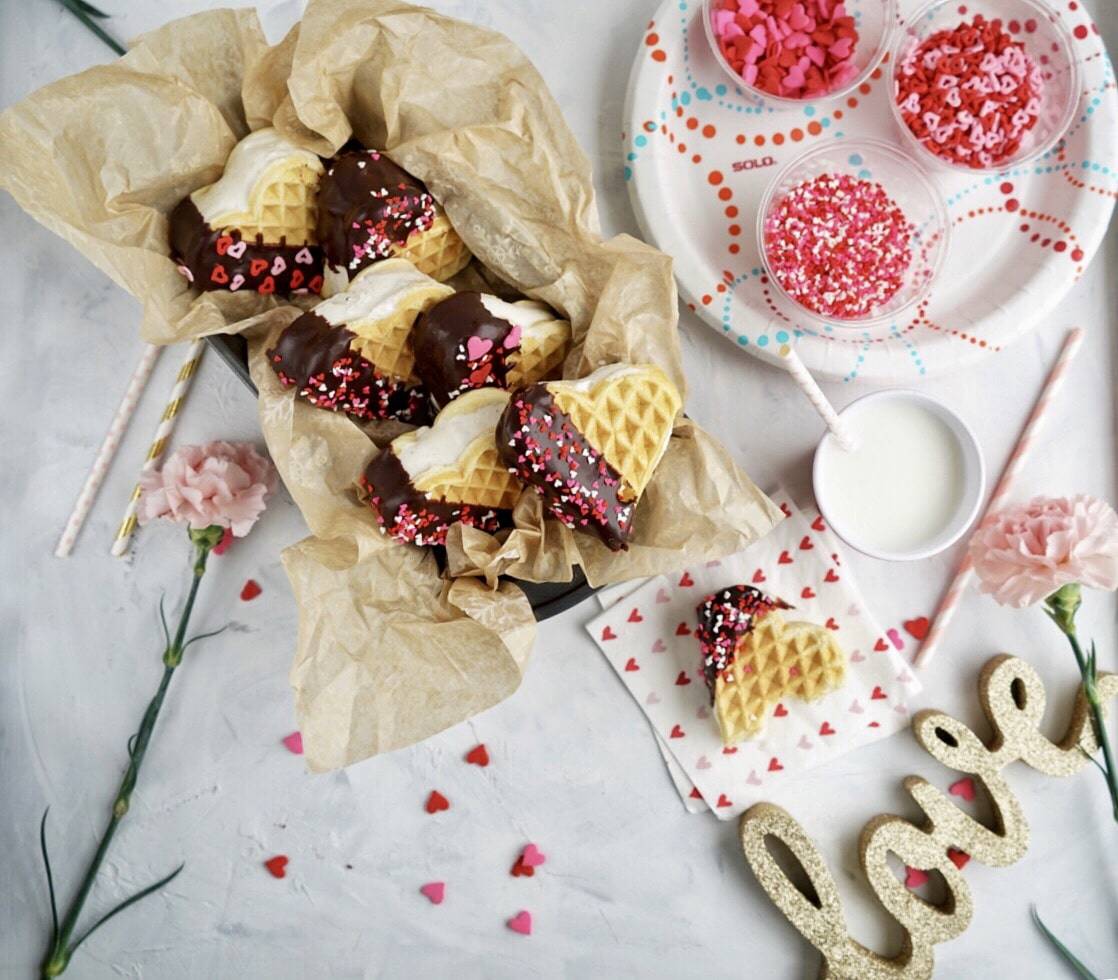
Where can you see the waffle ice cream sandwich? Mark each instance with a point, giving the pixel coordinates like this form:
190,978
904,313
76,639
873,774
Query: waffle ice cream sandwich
371,210
254,228
590,446
351,353
752,658
475,340
427,480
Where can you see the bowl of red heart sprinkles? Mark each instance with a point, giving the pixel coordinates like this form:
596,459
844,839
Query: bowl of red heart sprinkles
851,233
984,85
792,52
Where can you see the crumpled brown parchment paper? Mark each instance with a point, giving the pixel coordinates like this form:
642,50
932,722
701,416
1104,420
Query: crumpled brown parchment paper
390,650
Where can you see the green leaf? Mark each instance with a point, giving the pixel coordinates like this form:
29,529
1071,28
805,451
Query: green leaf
1073,961
90,9
77,8
50,877
203,636
163,620
143,893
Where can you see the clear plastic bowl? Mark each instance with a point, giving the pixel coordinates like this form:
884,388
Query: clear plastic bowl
877,27
905,181
1049,43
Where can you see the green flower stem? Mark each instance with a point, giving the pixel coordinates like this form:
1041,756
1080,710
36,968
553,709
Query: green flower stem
1094,703
61,949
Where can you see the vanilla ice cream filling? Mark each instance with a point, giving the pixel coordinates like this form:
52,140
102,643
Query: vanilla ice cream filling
376,293
441,445
247,164
533,318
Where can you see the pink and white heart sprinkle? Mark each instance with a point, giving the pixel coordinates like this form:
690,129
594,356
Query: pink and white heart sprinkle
839,245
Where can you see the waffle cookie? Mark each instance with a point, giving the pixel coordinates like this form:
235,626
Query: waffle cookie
369,209
351,353
254,228
427,480
753,658
475,340
590,446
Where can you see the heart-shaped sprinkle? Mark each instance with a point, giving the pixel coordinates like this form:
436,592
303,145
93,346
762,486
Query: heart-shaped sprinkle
296,278
521,870
512,338
221,246
237,250
219,275
914,877
250,590
963,787
257,266
304,257
436,802
805,742
294,743
267,287
857,657
533,856
807,593
278,265
780,711
895,639
958,858
277,866
917,628
478,756
434,892
477,348
521,923
695,794
818,525
730,750
236,282
805,543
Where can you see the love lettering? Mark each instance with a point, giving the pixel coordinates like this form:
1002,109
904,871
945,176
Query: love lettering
1013,699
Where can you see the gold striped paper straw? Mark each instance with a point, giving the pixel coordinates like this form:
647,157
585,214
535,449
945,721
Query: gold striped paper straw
950,601
159,442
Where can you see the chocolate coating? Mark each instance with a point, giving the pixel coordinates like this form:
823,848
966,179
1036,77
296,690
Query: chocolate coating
408,514
440,340
724,618
215,260
540,443
366,205
315,357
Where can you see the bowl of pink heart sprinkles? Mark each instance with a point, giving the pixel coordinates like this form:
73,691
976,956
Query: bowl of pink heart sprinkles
799,51
984,85
851,233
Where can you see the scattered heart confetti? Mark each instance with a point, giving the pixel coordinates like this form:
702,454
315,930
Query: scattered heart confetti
532,856
774,764
807,593
964,788
521,923
724,800
294,743
434,892
780,711
682,680
251,590
826,729
478,756
277,866
958,858
695,794
521,870
686,581
895,639
631,664
818,525
805,543
784,559
917,628
758,577
682,630
608,634
226,540
730,750
878,694
832,576
914,877
677,732
880,646
436,802
635,616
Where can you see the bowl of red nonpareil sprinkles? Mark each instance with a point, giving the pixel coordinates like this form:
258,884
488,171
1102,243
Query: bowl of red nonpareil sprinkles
984,85
851,233
797,51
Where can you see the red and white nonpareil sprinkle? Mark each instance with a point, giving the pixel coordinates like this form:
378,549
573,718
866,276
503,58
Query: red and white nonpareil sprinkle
795,49
839,245
970,93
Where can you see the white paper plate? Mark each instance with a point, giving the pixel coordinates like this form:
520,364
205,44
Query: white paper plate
1019,240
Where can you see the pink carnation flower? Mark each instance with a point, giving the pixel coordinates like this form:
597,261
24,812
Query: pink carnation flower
1023,554
223,483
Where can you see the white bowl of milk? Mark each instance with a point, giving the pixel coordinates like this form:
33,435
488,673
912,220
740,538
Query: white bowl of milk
912,483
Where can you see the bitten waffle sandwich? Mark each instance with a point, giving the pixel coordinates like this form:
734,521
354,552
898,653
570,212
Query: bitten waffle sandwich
752,658
590,446
351,352
426,480
475,340
254,229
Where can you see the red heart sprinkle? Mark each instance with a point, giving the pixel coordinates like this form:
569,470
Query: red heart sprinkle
522,870
222,244
958,858
277,865
250,591
296,279
256,266
914,877
730,750
918,627
267,287
682,680
963,787
478,756
436,802
219,275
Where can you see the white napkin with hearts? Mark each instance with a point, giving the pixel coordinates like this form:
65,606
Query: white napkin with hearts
648,637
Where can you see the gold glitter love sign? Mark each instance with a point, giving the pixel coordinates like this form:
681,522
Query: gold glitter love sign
1013,699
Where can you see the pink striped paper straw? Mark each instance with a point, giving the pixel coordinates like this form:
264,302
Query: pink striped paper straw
136,384
1016,460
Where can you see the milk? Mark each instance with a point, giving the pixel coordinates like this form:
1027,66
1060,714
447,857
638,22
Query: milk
904,485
